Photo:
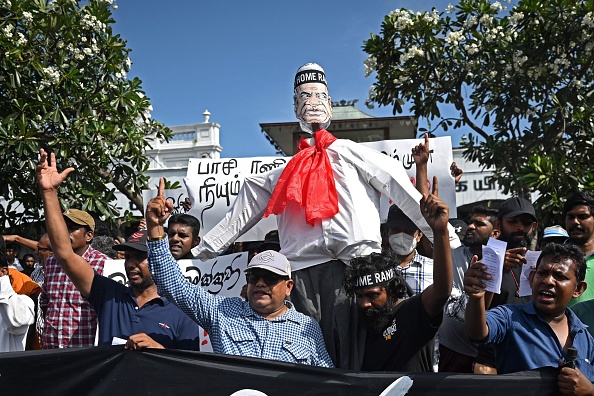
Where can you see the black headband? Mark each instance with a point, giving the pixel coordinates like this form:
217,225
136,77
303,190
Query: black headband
310,76
375,278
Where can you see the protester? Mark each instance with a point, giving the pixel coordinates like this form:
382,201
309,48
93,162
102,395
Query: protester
579,223
28,264
265,326
183,233
536,334
70,321
517,222
136,314
17,311
397,332
456,352
554,234
12,255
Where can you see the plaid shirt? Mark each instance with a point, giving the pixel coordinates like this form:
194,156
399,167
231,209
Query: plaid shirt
418,273
70,321
233,326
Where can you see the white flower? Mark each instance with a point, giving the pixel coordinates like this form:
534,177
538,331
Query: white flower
412,52
454,38
21,39
28,16
83,39
497,6
52,75
588,21
370,65
88,51
471,48
516,17
450,8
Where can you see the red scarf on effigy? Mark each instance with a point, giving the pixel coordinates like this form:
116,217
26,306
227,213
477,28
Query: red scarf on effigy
308,180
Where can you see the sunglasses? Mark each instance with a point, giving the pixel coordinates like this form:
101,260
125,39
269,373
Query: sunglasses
270,278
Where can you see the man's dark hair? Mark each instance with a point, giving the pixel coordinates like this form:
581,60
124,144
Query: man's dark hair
579,198
102,229
566,251
13,246
187,220
490,213
375,262
104,244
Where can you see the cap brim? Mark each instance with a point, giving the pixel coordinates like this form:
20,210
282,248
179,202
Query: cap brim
128,246
519,213
267,268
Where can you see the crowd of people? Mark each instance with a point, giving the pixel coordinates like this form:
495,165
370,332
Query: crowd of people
332,287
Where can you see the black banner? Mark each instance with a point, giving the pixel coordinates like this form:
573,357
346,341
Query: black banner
114,371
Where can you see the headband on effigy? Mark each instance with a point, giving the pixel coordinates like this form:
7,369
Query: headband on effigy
375,278
310,73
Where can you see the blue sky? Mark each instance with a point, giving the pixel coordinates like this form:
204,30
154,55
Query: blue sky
238,58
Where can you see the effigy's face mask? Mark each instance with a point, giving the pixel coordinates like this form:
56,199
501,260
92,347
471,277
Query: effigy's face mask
313,106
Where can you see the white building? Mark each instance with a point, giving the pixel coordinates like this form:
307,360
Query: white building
170,159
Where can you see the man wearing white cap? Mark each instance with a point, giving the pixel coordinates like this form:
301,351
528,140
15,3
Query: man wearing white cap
265,326
327,204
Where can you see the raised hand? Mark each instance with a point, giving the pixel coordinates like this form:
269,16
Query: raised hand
434,210
515,257
47,174
421,152
456,172
158,209
473,278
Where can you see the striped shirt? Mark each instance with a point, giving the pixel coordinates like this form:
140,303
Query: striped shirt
418,273
70,321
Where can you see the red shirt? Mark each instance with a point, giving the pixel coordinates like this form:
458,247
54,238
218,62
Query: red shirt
70,321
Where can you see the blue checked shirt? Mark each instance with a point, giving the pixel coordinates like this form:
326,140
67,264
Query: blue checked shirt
234,328
418,273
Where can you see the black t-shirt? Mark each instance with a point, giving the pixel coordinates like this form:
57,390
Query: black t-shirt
405,345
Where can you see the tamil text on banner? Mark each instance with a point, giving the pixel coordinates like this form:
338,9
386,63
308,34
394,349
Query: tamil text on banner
213,185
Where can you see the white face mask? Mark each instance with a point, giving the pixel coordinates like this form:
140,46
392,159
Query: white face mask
402,243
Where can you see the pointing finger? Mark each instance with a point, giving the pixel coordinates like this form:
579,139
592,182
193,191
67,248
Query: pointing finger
161,190
427,141
435,190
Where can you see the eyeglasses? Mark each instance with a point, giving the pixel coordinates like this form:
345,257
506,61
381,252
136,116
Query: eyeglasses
42,249
270,278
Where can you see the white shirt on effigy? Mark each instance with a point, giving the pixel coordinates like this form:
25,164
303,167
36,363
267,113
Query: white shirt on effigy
361,175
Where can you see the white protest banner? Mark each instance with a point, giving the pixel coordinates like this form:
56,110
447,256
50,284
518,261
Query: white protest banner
213,185
440,159
222,275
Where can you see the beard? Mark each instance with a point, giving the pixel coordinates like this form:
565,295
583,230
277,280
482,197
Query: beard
579,240
380,318
512,242
475,240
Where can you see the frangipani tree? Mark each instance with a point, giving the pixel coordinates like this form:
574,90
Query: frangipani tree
519,76
63,87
